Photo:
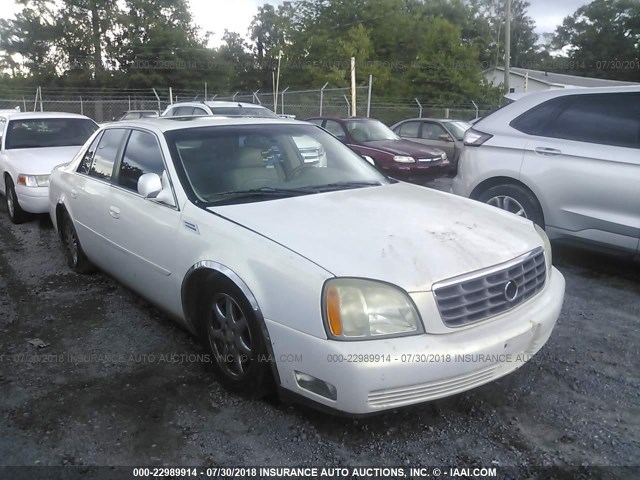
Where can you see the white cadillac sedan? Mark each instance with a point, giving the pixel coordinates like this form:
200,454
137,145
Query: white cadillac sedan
31,145
335,285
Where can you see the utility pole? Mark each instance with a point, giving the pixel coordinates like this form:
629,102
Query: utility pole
353,86
507,47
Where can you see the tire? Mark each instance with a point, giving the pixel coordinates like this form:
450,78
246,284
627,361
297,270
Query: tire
231,333
76,258
16,213
515,199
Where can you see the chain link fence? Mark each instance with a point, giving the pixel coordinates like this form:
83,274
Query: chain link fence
107,106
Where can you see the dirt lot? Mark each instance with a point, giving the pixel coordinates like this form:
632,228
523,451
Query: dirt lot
83,400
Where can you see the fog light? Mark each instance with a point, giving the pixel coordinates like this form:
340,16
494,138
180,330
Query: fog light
315,385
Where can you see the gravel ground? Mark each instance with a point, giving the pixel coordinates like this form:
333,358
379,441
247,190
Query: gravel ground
83,400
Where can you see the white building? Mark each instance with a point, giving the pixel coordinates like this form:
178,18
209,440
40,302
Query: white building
522,80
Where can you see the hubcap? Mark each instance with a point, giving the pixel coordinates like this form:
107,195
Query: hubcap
229,336
71,242
509,204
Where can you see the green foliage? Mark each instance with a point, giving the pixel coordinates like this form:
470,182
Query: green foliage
432,49
602,39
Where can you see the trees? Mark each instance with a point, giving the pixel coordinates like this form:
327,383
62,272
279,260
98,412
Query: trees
602,39
80,42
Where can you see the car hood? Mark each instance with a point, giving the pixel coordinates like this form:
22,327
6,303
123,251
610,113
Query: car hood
404,147
39,161
404,234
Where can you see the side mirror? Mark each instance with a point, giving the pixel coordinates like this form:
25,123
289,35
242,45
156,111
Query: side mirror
445,138
149,185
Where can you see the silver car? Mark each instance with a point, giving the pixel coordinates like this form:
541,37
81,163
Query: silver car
568,159
443,133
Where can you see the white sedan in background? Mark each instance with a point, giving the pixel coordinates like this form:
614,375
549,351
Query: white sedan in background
31,144
335,285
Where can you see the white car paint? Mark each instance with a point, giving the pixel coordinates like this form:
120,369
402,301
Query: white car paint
281,252
32,161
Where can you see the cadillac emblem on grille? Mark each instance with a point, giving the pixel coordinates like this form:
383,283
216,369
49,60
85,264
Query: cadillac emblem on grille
510,291
483,294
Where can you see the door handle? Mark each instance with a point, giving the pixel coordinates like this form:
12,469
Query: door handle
73,194
548,151
114,212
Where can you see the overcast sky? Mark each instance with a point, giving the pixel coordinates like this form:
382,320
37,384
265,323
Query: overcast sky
236,15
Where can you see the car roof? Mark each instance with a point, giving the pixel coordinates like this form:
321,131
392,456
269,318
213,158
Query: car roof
547,94
165,124
443,120
512,110
42,115
215,103
340,119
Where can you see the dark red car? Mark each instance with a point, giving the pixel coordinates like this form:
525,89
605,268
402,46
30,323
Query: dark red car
390,153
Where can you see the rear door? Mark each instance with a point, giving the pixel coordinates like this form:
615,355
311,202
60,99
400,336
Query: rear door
583,161
89,192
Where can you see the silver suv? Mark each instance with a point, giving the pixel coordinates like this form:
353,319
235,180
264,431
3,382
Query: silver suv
569,160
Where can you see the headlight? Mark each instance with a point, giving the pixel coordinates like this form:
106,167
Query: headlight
547,248
443,156
404,159
358,309
33,180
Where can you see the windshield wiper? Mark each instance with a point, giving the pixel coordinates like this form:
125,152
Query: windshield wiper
341,186
262,192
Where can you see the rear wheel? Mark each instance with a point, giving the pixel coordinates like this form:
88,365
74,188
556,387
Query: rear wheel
76,258
230,331
514,199
16,213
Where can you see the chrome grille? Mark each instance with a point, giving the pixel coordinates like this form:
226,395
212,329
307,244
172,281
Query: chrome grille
472,298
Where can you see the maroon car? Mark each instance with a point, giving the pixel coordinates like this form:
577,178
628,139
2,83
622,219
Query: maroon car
393,155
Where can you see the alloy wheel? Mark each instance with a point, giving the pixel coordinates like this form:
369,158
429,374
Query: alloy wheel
509,204
71,241
230,337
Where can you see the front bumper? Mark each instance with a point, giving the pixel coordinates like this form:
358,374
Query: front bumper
33,199
418,169
373,376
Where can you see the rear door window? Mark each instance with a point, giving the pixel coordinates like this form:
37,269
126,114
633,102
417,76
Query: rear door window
106,154
87,159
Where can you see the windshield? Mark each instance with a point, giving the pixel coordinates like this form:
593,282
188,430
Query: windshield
369,130
458,128
244,112
243,163
49,132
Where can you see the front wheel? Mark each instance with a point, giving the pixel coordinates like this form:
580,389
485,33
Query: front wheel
230,331
16,213
514,199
